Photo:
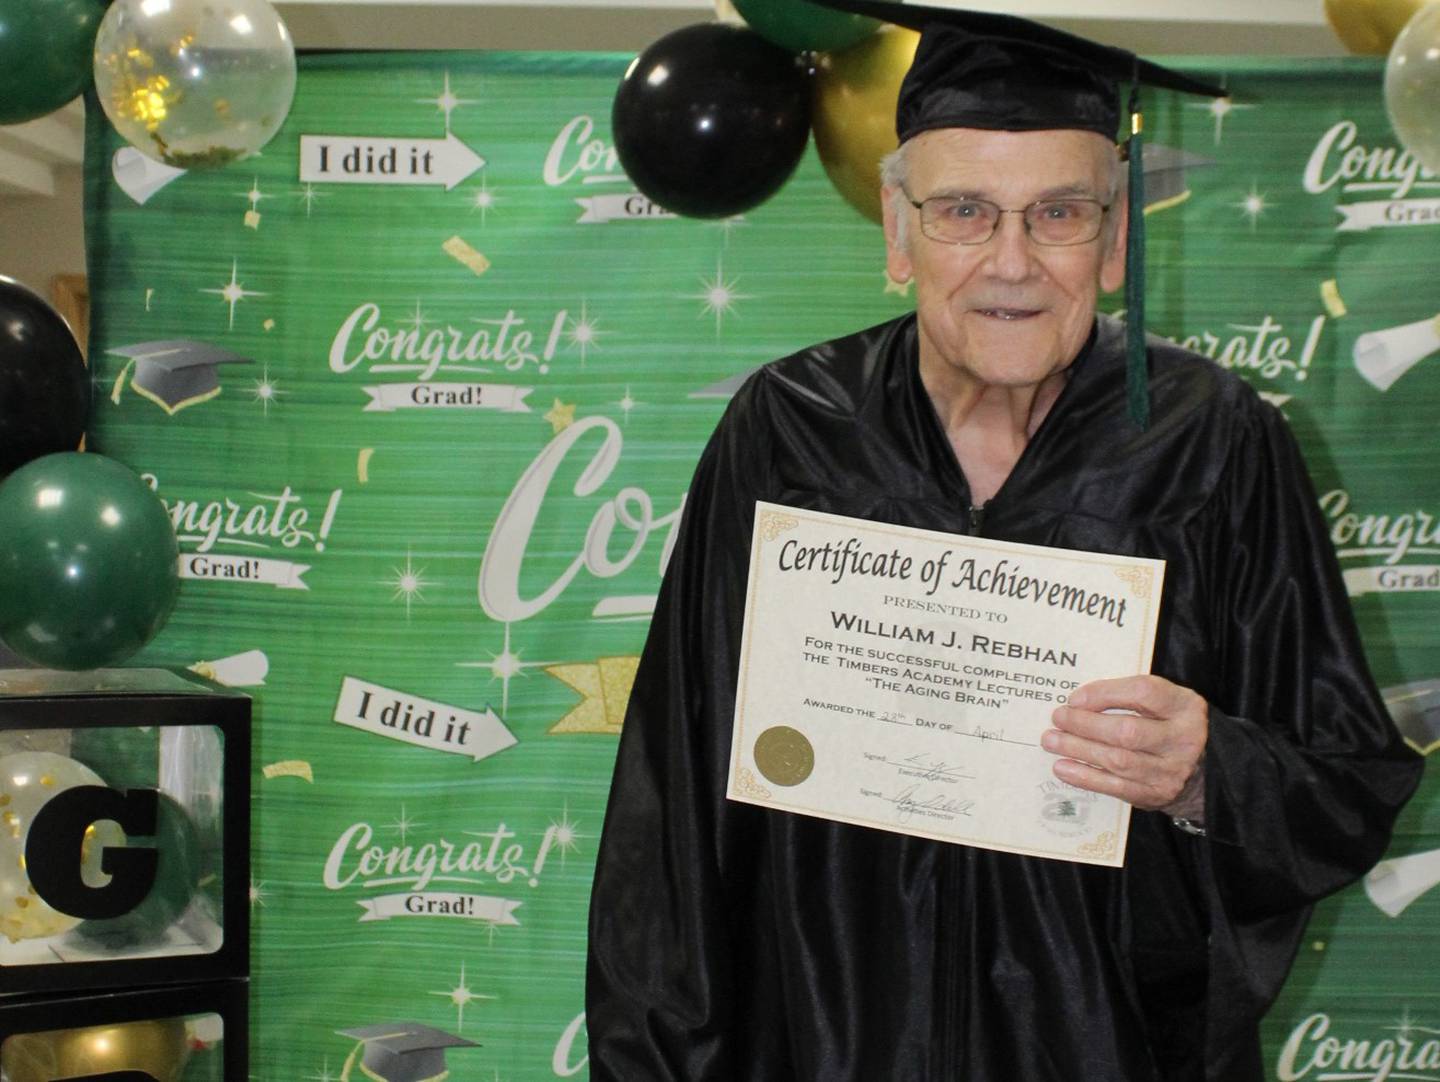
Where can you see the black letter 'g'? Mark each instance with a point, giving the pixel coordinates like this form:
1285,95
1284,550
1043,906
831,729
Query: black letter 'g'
52,851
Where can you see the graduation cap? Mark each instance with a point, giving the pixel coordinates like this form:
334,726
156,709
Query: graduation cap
174,373
401,1052
977,69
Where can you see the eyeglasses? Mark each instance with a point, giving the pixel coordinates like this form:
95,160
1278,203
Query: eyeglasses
1054,223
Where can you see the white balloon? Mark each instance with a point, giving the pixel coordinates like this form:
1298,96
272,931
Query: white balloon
1412,86
195,84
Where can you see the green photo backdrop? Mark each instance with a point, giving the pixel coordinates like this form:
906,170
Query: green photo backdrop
431,381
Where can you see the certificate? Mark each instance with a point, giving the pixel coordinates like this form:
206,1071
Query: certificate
900,679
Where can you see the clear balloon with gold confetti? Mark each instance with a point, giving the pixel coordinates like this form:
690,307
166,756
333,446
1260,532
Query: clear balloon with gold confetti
1412,86
28,781
195,84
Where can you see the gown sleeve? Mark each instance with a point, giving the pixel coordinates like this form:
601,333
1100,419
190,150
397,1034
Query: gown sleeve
666,915
1305,771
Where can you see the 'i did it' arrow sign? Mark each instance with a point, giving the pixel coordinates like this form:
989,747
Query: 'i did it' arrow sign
351,159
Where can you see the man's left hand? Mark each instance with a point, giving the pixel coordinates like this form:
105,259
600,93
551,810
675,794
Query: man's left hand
1149,754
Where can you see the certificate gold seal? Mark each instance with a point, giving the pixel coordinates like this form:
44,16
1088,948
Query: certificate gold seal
784,755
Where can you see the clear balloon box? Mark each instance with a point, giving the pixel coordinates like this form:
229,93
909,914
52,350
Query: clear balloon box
177,1033
124,830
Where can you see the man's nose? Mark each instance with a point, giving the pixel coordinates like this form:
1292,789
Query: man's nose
1010,253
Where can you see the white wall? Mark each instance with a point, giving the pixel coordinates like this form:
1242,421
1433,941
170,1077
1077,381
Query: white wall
42,236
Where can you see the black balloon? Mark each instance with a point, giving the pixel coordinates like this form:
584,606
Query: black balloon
44,387
712,119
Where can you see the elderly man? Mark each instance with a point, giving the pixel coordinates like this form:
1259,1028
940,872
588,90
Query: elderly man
731,943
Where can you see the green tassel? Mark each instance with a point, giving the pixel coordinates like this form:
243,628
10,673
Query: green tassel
1137,382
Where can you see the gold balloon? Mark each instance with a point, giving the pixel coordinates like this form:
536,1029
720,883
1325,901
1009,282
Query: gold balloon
854,117
158,1048
1370,27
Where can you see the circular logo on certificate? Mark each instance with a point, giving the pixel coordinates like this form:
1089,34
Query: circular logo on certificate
1065,810
784,755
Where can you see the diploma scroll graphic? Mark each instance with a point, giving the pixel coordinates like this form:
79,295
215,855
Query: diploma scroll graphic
1382,357
1415,709
1394,884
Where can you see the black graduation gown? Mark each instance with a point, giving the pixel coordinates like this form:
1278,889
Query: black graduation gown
730,943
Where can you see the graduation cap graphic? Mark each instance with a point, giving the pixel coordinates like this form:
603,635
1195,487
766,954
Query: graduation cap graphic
401,1052
1166,182
174,373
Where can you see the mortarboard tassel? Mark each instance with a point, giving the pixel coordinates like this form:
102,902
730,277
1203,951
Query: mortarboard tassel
1137,382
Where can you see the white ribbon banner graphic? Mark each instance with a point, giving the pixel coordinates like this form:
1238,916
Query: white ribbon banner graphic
434,903
446,396
629,207
284,574
1403,578
1387,214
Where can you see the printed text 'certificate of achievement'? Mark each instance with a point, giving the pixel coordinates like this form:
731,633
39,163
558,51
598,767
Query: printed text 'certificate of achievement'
901,678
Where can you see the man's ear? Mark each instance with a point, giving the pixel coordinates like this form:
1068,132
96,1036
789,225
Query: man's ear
1112,269
897,255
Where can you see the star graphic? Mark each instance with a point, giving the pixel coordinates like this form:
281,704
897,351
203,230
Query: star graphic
459,996
418,320
729,225
560,416
254,194
627,403
446,102
233,291
1253,205
484,200
504,667
310,195
719,296
267,390
1219,108
563,834
404,824
892,286
324,1074
409,582
1405,1025
257,893
583,332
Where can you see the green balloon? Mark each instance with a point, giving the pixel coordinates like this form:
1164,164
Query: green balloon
177,878
89,566
127,757
47,52
800,26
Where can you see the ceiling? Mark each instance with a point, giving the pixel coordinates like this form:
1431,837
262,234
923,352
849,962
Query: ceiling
32,153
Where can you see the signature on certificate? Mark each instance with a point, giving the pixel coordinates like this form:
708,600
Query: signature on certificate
913,801
928,768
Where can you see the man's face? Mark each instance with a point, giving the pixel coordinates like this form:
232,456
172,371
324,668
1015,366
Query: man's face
1007,312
